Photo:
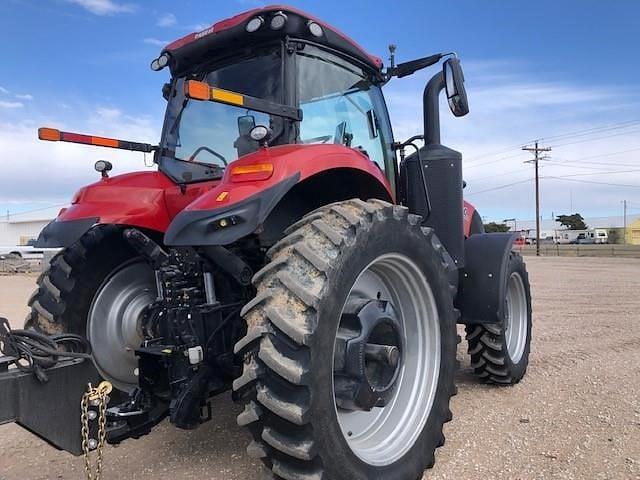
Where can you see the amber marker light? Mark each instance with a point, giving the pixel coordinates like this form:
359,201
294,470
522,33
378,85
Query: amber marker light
198,90
49,134
251,172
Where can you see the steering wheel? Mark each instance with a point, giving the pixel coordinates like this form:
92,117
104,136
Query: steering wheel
322,139
207,149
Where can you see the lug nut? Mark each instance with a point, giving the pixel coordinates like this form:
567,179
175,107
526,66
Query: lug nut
93,443
92,415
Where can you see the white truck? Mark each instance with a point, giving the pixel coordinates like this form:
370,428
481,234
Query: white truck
26,252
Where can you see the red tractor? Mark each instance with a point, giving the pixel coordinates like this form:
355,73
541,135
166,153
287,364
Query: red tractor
286,248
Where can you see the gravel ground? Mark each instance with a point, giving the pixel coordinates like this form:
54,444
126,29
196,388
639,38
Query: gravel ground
576,415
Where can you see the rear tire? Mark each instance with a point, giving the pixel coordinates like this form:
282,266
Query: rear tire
287,386
500,353
67,287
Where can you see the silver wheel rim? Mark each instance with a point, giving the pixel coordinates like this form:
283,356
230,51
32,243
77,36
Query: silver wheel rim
516,317
385,434
113,324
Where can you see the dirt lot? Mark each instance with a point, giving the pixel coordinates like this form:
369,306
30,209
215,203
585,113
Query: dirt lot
575,416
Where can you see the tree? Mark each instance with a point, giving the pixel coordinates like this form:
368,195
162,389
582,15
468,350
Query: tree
572,222
493,227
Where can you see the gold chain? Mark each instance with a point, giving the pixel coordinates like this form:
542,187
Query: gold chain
95,397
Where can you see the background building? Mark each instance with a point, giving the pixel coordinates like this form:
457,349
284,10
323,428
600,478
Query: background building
614,226
19,228
633,232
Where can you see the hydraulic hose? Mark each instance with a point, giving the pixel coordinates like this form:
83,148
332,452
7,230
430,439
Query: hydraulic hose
35,352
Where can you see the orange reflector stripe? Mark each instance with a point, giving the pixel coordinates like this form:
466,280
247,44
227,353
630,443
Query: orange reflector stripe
255,168
222,196
227,96
49,134
105,142
198,90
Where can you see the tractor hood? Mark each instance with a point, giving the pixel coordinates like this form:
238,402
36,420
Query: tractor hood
148,200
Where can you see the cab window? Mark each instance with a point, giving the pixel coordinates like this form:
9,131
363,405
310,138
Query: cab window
340,105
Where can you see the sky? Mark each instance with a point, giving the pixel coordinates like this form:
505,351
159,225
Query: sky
564,72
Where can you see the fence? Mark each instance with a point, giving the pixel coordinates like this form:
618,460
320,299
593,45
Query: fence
549,250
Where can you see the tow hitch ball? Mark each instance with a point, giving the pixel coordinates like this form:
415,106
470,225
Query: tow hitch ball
368,355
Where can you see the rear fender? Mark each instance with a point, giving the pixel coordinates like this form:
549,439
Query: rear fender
472,220
234,209
481,298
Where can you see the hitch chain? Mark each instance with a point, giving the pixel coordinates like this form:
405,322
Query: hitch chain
94,397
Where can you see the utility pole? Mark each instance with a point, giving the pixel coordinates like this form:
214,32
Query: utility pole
536,160
624,231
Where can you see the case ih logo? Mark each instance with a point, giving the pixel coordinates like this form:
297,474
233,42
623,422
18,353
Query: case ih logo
204,33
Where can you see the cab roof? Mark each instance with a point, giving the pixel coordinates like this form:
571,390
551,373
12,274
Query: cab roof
231,33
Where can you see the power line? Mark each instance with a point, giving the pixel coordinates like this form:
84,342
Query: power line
564,136
499,187
585,140
503,174
474,165
610,172
40,209
591,181
591,131
499,152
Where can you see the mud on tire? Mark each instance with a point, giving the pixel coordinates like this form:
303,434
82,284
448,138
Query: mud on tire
286,387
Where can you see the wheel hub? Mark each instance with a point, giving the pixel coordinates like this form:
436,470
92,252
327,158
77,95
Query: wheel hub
114,323
368,355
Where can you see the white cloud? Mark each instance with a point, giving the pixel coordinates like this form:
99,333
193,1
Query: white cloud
24,96
107,114
4,90
156,42
104,7
68,166
11,104
167,20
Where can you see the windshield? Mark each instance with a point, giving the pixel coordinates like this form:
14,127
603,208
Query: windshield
200,138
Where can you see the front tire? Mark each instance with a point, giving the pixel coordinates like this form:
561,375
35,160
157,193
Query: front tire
500,353
288,386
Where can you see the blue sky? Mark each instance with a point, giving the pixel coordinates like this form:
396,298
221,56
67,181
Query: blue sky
534,69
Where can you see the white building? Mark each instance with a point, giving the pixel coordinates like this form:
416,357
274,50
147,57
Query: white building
19,228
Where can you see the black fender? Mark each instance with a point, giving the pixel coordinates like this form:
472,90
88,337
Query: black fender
196,228
64,233
483,279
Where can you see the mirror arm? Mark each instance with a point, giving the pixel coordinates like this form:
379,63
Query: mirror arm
431,107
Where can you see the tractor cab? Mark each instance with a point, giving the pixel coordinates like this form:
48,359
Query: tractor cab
276,68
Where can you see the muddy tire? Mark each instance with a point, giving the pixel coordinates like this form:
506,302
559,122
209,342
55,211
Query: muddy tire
66,289
288,387
500,353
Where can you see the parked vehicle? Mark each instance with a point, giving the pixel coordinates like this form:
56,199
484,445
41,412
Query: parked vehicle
277,163
26,252
586,238
601,235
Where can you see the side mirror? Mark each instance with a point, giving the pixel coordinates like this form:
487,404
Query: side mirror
454,86
246,124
